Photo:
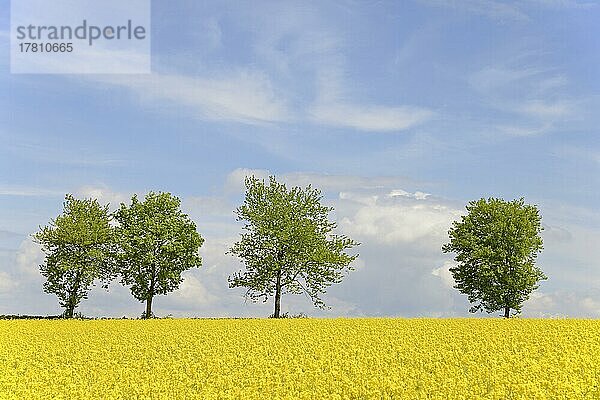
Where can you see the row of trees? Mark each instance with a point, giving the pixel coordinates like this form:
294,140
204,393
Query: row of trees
287,246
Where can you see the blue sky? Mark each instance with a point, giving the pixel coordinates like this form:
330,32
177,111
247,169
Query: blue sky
401,112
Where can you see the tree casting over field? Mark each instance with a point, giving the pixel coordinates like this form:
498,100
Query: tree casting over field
287,246
78,246
156,244
496,246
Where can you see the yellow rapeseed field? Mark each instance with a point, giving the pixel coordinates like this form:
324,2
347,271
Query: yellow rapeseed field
300,359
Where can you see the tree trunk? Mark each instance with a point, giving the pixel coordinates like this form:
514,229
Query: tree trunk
72,302
277,295
148,314
507,312
148,308
69,311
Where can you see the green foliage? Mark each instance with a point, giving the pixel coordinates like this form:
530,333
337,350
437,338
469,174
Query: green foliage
156,244
496,246
287,245
78,246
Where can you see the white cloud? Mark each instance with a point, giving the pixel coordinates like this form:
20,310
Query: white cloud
579,153
492,78
540,302
563,304
7,283
324,182
560,4
489,8
525,129
444,274
416,195
591,305
423,223
192,291
553,83
536,96
556,233
235,179
210,33
544,110
313,44
359,198
104,195
340,183
46,150
29,257
28,191
369,117
207,207
242,96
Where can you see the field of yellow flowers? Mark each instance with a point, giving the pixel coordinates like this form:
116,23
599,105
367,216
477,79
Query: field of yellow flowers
300,359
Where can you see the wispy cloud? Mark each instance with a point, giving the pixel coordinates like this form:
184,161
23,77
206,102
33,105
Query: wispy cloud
579,153
325,182
523,129
560,4
370,117
29,191
494,77
334,106
42,150
547,110
242,96
315,45
536,95
489,8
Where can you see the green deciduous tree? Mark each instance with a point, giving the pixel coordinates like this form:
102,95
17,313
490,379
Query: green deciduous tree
156,244
287,245
496,246
78,246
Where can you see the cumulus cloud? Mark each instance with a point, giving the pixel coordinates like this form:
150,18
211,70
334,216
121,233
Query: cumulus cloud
563,304
416,195
29,257
444,274
396,221
7,283
235,179
192,291
104,195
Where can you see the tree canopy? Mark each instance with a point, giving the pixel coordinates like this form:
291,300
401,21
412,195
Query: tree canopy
496,246
287,245
157,242
78,246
